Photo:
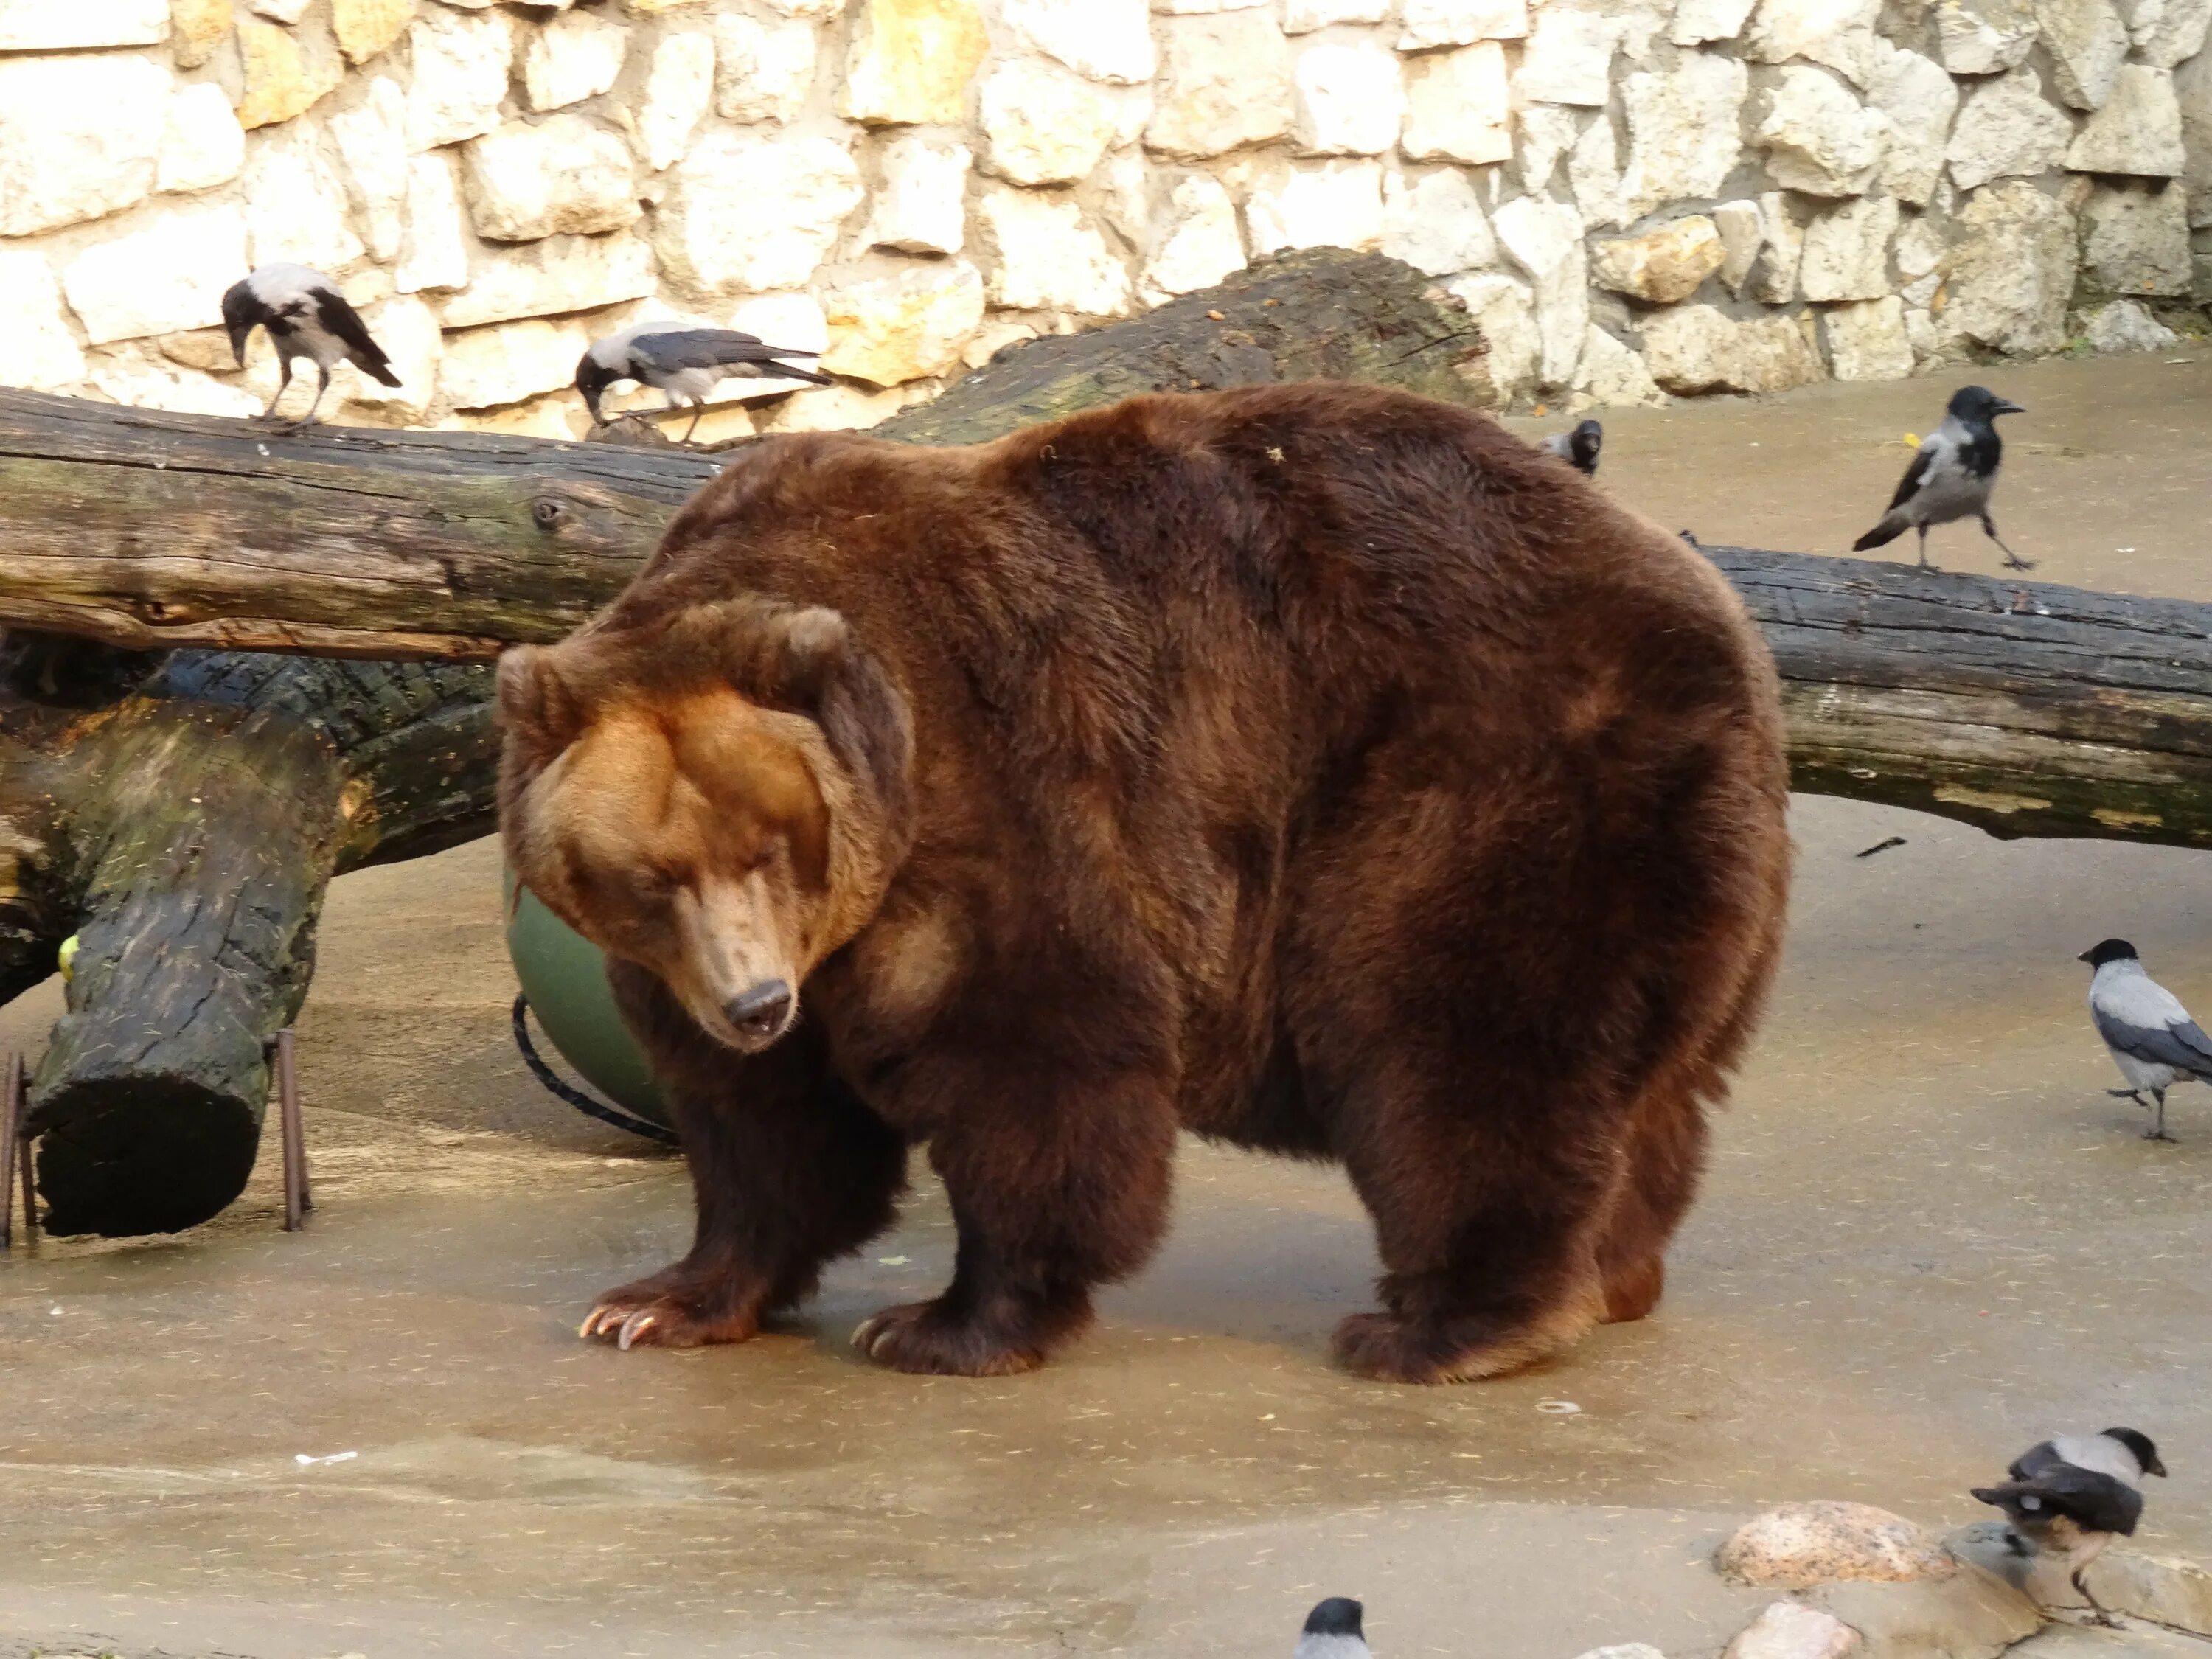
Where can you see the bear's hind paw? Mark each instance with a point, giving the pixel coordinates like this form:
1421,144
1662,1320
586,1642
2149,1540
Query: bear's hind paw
1393,1350
630,1319
920,1338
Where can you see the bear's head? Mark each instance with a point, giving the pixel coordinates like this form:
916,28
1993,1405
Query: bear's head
720,796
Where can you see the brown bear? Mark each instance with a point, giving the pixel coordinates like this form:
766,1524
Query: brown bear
1314,767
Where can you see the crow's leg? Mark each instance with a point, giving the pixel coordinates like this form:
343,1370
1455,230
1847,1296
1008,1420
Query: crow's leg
322,385
2157,1130
1925,565
697,410
283,381
2097,1607
2012,561
2136,1095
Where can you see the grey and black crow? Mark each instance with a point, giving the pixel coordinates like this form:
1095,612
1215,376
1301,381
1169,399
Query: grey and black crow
684,364
1952,475
1333,1631
2068,1496
2153,1041
306,317
1579,447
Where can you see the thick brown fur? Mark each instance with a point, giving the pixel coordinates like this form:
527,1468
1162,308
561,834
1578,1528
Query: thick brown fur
1316,768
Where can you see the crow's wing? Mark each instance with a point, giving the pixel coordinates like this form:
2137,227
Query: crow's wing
341,321
2183,1047
708,348
2033,1461
1916,474
2088,1498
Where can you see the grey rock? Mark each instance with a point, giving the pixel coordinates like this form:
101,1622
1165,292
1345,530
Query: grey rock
2137,131
2087,44
2012,269
2134,239
2006,129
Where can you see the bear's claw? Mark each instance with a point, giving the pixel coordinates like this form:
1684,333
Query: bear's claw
915,1338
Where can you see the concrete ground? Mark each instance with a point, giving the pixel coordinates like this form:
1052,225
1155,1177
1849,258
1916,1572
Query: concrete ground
1929,1237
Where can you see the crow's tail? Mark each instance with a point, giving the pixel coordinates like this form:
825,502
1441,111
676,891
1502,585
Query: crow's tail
1888,531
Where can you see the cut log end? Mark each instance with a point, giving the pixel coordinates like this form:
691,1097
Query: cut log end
122,1156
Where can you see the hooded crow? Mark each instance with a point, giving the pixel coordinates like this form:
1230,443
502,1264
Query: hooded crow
1578,448
1952,475
2068,1496
1333,1631
306,317
2153,1040
684,364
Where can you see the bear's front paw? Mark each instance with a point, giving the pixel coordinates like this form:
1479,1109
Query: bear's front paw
922,1338
665,1312
1393,1349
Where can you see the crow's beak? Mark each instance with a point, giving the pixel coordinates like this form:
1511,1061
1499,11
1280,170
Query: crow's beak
2155,1467
2084,956
2006,406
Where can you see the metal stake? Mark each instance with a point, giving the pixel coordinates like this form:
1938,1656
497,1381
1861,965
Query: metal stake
9,1093
298,1200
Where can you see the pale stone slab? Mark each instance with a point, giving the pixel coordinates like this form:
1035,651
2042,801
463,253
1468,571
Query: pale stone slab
1324,204
921,205
564,176
764,71
37,350
1106,39
1203,244
1545,239
2137,131
1350,96
905,326
2006,128
1043,124
70,25
1227,82
1684,130
80,137
295,203
199,249
461,64
1847,252
1458,106
1047,259
575,56
910,61
560,274
755,213
202,145
436,251
1436,224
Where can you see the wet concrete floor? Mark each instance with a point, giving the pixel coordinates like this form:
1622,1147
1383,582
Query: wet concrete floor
1927,1238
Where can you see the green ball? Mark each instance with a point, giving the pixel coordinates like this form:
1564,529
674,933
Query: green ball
565,977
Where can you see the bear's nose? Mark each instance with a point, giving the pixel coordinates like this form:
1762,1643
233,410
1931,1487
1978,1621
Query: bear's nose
760,1011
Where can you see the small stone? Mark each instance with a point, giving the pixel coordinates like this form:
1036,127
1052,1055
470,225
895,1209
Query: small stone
1458,107
69,25
1868,342
2167,34
1662,266
1435,223
2134,239
371,142
1043,124
1327,205
910,61
994,337
36,348
203,145
547,278
2012,269
1202,245
1545,239
1684,128
1351,97
434,253
755,213
836,409
1786,1630
1773,277
1568,59
295,203
462,62
1304,16
1846,254
1799,1545
483,367
577,55
199,249
765,71
2087,44
1695,348
921,205
1047,258
1818,138
365,27
902,327
2137,131
2006,127
1227,82
1984,37
279,79
197,27
1430,23
1697,21
1837,32
1918,100
679,87
1504,313
2124,325
563,175
1108,41
1612,375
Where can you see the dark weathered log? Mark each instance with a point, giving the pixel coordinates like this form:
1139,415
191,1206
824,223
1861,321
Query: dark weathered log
185,832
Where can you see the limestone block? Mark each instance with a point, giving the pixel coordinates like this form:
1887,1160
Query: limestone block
295,203
755,213
2167,34
2192,88
287,12
1320,204
1919,100
434,253
1984,37
558,415
1548,132
1043,124
1818,138
910,61
1797,1545
765,70
1788,1630
796,321
2134,239
563,175
1773,278
1685,129
1227,82
836,409
201,144
679,90
2124,325
2087,44
2012,269
1920,249
558,275
281,79
1106,39
371,142
1846,254
1613,376
37,350
199,249
2138,130
1839,34
1737,224
1303,16
1435,223
2006,128
483,367
1202,243
1428,23
461,61
1662,266
133,376
893,329
1867,341
921,203
1504,313
365,27
1544,241
69,25
1350,96
1047,259
1695,348
1568,59
1458,107
1697,21
408,330
575,56
1927,339
1594,173
197,27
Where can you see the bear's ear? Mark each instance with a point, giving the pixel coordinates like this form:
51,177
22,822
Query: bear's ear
539,709
781,654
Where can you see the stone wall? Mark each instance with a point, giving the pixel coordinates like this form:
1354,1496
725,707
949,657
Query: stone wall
1635,197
